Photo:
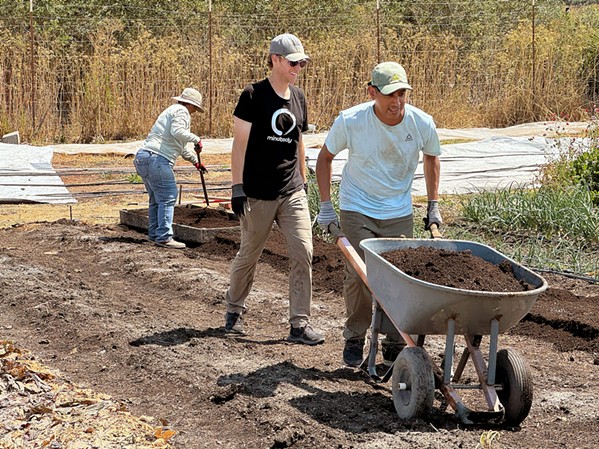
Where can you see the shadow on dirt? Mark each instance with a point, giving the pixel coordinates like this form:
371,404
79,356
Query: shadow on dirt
576,328
348,411
183,335
175,337
122,240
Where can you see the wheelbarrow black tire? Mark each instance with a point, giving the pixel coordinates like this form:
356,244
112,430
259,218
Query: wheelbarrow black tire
515,377
413,368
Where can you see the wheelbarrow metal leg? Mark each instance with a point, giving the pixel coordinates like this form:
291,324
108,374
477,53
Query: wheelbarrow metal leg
493,352
464,359
377,318
481,369
448,358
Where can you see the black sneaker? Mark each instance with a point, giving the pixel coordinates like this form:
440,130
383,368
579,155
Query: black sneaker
390,351
305,335
353,352
234,323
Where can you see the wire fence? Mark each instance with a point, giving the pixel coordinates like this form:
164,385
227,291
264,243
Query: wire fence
86,72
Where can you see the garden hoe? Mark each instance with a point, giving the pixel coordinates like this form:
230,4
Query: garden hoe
202,170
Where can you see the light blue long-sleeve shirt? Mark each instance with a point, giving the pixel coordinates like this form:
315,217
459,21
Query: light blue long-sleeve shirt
171,133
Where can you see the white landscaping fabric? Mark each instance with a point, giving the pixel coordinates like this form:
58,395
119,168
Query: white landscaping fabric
27,176
495,158
488,164
315,140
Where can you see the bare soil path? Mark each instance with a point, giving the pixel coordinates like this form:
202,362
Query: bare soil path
143,324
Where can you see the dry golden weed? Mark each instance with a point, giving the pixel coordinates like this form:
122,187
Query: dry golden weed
114,90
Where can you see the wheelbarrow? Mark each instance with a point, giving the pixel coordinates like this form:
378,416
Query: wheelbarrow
417,308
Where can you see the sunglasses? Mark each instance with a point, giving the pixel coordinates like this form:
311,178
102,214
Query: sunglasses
301,63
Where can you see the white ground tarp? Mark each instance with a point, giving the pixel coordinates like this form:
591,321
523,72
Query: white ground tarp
488,164
223,146
467,167
496,157
27,176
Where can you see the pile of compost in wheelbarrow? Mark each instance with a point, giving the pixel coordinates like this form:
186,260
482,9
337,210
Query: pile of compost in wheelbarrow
457,269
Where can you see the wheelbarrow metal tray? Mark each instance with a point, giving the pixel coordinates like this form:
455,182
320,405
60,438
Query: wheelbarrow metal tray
418,307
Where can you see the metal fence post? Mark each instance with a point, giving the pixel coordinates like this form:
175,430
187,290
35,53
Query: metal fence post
378,32
32,67
534,64
210,67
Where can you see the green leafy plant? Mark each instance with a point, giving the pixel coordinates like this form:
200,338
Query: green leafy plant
134,178
564,212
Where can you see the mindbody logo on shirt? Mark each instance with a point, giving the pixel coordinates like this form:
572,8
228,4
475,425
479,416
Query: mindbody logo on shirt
282,118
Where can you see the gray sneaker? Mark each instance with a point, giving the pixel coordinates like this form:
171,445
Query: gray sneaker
234,323
353,352
305,335
171,243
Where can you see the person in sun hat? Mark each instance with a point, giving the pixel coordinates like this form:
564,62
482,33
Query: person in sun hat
384,138
155,160
268,178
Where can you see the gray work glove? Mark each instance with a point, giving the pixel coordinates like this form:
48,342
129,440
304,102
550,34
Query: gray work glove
238,199
432,215
327,215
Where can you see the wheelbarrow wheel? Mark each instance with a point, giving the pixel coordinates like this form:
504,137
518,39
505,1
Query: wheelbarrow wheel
413,368
515,378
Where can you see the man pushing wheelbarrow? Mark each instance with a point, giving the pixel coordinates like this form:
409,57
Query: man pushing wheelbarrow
384,137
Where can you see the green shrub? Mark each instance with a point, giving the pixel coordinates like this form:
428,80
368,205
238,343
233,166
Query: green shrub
577,163
585,171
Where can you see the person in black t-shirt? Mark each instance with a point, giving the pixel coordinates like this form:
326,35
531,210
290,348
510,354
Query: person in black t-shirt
268,176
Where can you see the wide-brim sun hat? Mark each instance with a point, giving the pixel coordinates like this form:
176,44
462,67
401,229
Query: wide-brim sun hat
191,96
288,46
388,77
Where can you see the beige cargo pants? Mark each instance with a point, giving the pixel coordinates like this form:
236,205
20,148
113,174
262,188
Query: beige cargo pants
292,216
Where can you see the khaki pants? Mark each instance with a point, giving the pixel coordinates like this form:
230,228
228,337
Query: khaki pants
293,218
358,299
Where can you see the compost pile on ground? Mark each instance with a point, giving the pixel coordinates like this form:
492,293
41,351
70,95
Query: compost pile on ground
457,269
122,317
201,217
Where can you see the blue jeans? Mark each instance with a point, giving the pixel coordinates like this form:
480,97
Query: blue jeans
159,178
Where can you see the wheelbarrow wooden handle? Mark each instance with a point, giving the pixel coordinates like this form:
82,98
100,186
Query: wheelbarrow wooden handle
434,230
349,252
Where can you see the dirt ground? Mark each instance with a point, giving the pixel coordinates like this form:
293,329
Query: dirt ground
117,315
142,324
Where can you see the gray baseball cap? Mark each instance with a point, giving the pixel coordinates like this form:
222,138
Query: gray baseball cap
289,46
388,77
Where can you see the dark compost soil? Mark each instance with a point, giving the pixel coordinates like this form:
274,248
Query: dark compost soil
142,323
457,269
201,217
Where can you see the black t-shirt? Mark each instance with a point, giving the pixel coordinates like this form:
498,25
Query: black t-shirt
271,168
